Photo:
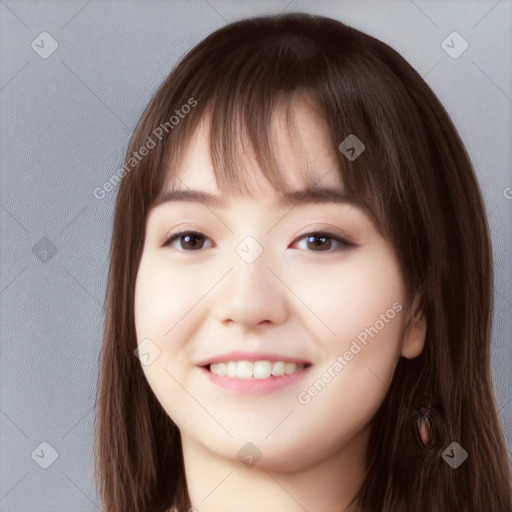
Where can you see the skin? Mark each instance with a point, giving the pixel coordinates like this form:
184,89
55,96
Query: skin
296,299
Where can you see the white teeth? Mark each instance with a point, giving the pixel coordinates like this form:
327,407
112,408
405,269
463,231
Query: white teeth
231,369
256,369
244,369
219,369
262,369
289,368
278,368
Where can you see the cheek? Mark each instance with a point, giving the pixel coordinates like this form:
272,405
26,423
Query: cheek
365,309
164,295
168,312
164,314
351,295
160,302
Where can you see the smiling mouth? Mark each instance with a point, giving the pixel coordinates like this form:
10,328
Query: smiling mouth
255,369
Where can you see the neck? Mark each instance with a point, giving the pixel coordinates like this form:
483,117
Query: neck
328,482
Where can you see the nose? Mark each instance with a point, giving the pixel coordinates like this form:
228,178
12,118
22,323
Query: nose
251,295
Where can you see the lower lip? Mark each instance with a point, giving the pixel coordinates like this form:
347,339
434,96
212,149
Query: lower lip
256,386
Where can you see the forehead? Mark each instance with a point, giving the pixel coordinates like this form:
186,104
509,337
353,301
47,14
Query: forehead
301,145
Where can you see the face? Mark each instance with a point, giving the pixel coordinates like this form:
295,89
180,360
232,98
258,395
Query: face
254,279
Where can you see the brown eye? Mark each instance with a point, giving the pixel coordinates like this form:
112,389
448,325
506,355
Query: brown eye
324,242
189,240
319,242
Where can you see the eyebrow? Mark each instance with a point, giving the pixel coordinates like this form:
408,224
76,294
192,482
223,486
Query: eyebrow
309,195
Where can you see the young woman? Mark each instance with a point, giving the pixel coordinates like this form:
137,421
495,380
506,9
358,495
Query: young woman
300,292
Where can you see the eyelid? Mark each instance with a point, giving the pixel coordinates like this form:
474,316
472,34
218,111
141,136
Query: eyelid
178,234
344,241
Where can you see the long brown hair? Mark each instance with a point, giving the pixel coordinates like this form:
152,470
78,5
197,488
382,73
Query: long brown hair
417,180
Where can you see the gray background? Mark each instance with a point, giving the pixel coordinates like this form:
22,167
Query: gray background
65,126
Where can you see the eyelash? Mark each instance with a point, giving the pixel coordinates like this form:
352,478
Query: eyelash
344,243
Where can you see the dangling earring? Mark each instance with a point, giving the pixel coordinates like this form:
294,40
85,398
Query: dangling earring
424,430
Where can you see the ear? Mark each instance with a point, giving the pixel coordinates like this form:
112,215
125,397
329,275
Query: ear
415,331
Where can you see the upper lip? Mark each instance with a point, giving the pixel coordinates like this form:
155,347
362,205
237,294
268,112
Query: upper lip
251,356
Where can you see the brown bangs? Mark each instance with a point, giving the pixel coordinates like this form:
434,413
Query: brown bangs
240,86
